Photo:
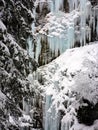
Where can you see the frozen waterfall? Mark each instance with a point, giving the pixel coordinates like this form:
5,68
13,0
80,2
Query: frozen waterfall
62,30
59,31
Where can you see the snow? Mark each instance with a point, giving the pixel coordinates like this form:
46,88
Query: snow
68,78
82,59
25,120
11,120
6,50
34,129
83,127
2,26
2,100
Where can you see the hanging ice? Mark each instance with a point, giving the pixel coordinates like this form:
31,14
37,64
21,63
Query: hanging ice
30,47
52,117
70,36
64,30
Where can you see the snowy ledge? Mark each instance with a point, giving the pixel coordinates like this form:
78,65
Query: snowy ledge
71,77
76,69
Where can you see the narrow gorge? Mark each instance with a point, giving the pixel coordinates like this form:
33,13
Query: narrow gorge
49,65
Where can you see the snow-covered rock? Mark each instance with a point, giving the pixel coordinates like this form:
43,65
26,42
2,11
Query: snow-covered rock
69,83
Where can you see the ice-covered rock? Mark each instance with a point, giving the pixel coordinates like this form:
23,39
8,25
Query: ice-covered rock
60,29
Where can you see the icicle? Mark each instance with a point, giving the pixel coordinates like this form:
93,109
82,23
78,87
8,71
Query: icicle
55,5
47,105
26,107
38,48
23,104
52,118
94,20
97,21
83,36
41,6
30,39
73,4
57,45
88,34
67,121
70,36
70,5
97,27
30,47
76,3
83,21
88,9
83,13
51,6
58,3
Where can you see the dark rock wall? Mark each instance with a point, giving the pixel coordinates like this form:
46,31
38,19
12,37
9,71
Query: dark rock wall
87,114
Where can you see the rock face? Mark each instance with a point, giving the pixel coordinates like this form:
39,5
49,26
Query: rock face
87,114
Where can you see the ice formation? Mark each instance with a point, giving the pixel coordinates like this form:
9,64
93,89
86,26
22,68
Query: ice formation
62,29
